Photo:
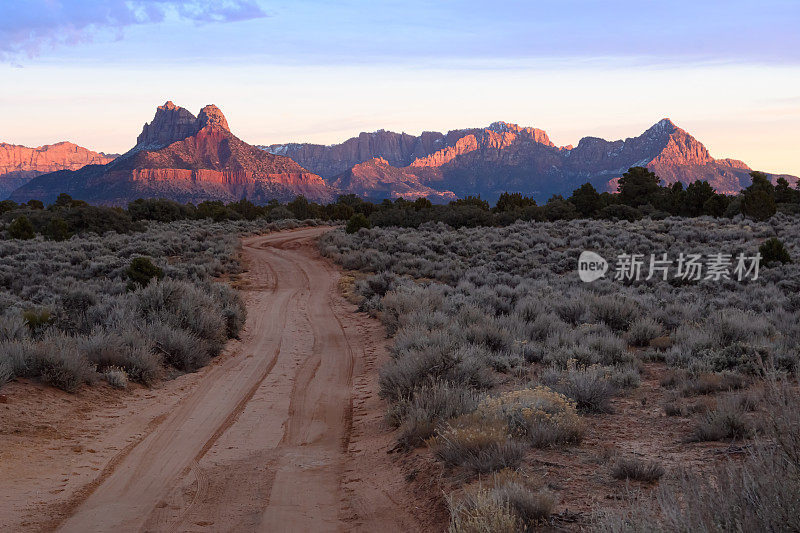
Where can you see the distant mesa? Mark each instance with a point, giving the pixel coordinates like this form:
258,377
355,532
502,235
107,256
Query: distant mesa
20,164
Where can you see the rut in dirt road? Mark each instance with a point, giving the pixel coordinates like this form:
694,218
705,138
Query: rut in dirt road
261,443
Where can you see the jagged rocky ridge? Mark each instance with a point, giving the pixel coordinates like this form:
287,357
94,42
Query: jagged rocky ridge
188,159
506,157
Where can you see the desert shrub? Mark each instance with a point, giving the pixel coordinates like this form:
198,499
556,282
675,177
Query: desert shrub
538,415
489,334
589,387
57,361
13,327
234,310
607,349
740,357
774,251
477,444
617,313
727,421
183,306
710,383
179,348
128,350
430,405
78,300
637,469
642,331
6,372
531,502
572,310
402,376
37,319
377,284
142,270
672,406
481,512
733,325
509,502
624,377
116,377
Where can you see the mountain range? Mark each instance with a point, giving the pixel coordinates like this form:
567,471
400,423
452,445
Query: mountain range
184,158
191,158
506,157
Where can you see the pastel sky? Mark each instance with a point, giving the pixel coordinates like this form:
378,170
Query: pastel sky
321,71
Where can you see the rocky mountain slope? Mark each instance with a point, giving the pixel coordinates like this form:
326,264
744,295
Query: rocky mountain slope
506,157
20,164
187,159
376,179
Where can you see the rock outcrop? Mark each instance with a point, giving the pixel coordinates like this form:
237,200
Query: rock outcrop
376,179
188,159
20,164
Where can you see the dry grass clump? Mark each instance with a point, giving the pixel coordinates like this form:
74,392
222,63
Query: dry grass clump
509,502
702,383
637,469
480,511
497,434
116,377
477,444
532,502
727,421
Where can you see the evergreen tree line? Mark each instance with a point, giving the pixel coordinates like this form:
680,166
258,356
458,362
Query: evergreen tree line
640,194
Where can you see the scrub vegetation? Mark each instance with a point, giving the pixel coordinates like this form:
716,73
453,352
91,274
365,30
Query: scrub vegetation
120,307
501,354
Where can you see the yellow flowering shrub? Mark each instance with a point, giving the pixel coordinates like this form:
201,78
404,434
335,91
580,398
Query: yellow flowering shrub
540,415
497,433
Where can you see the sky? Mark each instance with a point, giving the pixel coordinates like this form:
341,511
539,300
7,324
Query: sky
322,71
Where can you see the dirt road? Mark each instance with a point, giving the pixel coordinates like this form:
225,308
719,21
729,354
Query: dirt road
263,439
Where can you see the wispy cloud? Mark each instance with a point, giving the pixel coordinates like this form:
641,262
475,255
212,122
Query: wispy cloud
27,28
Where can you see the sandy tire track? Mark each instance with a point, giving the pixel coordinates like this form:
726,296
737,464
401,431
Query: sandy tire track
262,441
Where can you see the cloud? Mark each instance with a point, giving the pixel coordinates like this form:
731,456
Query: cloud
27,28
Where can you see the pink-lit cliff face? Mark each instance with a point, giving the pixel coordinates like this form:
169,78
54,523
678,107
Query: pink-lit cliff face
186,158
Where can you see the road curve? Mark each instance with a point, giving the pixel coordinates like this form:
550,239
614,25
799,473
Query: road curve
261,443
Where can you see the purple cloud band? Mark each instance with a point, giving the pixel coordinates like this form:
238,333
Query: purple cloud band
27,28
